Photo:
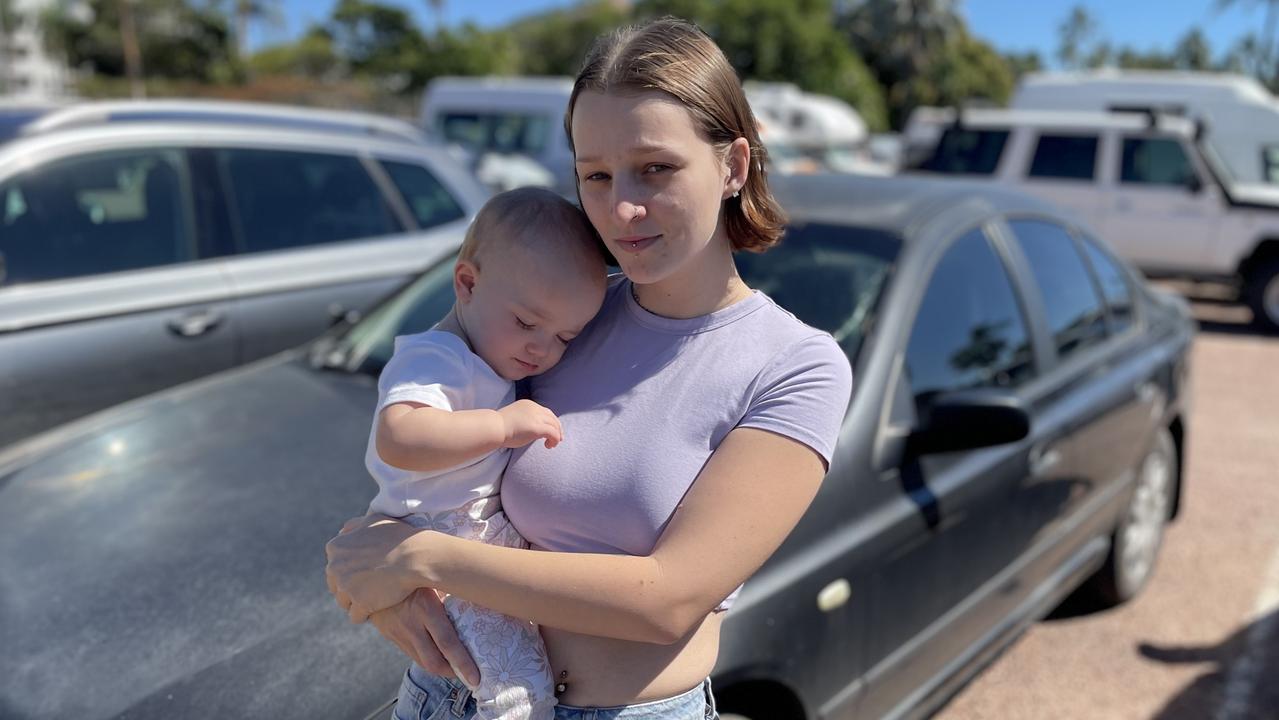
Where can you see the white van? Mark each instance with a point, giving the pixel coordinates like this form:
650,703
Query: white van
824,129
1147,183
506,116
1242,116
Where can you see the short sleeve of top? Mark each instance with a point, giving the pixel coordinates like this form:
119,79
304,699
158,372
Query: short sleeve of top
802,393
436,368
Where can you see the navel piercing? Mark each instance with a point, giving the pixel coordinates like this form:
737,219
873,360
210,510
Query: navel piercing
561,687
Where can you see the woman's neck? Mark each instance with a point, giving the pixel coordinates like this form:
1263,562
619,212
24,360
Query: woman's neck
701,287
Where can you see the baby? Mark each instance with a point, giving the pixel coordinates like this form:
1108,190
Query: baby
529,276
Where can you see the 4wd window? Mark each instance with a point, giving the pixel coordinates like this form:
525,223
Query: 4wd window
284,199
429,200
1076,316
1114,285
96,214
1155,161
964,151
970,331
496,131
1067,157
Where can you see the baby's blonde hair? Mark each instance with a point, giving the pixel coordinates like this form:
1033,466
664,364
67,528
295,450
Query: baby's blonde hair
530,216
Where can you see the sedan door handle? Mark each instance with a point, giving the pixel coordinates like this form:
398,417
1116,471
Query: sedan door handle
195,324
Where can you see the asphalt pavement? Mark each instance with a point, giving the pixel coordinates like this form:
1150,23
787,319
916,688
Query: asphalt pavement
1202,641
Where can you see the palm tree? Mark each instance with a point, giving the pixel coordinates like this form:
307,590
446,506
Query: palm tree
1270,69
437,9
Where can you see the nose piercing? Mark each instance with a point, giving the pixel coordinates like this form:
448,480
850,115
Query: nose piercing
635,214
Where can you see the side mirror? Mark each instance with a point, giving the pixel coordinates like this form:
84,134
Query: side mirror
967,420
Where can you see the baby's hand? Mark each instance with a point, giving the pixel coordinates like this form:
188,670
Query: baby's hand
527,421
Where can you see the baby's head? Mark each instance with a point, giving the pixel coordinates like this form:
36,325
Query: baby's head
528,278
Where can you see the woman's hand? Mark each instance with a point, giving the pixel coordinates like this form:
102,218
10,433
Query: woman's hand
363,571
421,629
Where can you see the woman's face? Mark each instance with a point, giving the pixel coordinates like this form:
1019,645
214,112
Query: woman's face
652,186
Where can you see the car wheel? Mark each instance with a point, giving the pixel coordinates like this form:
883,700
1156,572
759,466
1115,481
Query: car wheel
1262,292
1139,534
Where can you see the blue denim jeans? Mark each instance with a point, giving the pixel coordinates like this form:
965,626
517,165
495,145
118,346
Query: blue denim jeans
428,697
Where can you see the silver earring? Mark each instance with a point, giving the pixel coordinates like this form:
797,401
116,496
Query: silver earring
736,193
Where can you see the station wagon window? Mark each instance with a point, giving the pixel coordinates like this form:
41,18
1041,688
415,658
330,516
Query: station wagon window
1076,316
1114,285
1065,157
1155,161
497,132
96,214
429,200
964,151
287,200
970,331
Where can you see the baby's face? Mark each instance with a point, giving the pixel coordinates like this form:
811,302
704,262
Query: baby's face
525,308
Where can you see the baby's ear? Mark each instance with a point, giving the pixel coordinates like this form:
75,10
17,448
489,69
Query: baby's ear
464,275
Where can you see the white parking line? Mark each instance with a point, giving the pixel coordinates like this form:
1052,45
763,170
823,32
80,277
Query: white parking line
1243,675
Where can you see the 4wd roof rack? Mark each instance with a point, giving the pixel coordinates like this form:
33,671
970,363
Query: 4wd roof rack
214,111
1152,113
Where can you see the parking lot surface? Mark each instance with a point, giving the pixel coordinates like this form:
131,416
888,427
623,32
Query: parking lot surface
1202,640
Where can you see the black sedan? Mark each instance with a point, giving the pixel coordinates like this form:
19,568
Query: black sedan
1016,431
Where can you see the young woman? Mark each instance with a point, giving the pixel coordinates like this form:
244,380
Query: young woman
698,417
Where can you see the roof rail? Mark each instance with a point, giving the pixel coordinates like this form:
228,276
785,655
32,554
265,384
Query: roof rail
97,113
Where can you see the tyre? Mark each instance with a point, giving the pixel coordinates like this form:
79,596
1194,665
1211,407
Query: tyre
1262,293
1134,547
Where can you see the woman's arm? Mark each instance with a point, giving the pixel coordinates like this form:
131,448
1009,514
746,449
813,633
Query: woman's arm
746,500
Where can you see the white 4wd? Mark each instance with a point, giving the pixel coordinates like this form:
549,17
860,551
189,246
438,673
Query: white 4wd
1145,182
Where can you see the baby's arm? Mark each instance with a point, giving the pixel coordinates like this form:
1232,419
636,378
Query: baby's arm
421,438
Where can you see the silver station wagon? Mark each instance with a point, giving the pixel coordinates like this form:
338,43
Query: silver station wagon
144,244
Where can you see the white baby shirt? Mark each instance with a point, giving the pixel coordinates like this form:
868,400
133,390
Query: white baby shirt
436,368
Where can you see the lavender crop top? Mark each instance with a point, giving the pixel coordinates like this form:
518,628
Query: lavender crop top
644,400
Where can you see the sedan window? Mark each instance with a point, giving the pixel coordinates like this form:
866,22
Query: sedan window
293,199
1114,285
1065,157
1155,161
970,331
1076,316
96,214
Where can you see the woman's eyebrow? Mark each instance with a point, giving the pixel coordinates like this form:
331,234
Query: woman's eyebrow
637,150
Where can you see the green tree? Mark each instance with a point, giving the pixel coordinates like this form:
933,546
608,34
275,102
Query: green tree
1258,53
795,42
922,54
174,39
1192,52
1024,63
1077,43
556,42
10,19
313,55
1132,59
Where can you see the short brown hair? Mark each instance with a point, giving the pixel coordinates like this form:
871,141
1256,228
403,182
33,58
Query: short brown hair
675,57
528,214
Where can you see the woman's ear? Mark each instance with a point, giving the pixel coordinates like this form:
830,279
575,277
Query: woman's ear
465,273
738,160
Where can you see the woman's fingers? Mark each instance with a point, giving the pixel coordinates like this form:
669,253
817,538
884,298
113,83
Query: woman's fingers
442,631
357,613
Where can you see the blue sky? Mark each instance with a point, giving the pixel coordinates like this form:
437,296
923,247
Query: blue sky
1010,25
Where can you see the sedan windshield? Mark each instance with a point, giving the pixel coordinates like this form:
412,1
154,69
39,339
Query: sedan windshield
829,276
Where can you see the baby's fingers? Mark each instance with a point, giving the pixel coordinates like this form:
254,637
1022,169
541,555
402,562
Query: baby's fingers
553,433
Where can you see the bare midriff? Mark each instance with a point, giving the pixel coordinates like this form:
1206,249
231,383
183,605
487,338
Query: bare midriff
604,672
